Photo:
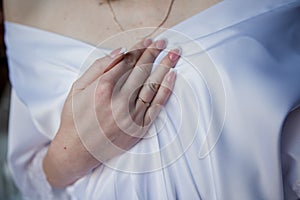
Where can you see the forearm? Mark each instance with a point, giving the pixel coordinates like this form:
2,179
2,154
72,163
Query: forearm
94,102
67,160
26,150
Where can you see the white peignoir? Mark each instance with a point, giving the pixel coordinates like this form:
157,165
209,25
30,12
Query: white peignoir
221,133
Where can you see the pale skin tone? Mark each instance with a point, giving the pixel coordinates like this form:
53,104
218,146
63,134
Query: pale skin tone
102,84
114,78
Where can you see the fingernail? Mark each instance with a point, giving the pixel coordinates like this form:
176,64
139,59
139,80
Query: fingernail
147,42
174,54
161,44
171,76
117,51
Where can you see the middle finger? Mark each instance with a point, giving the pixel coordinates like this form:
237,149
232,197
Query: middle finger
128,62
143,67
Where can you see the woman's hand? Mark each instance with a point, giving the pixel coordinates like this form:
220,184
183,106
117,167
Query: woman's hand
109,109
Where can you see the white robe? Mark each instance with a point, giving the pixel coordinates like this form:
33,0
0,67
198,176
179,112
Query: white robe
221,133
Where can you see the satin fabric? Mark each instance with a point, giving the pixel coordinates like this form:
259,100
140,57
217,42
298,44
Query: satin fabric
221,133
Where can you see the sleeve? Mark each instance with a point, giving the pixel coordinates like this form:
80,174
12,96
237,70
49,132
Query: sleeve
26,150
291,155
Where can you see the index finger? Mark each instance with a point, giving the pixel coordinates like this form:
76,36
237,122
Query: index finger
99,67
129,61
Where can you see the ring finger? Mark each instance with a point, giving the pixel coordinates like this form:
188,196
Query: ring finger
152,84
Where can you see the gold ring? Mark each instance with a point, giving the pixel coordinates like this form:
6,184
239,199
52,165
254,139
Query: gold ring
143,101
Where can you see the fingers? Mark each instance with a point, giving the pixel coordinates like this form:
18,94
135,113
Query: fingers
143,66
129,61
157,89
153,82
99,67
160,98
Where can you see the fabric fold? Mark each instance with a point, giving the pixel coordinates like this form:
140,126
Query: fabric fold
218,137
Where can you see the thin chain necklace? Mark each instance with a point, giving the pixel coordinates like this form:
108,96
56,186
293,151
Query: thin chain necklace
156,28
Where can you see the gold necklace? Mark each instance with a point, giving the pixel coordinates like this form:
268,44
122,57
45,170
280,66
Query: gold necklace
156,28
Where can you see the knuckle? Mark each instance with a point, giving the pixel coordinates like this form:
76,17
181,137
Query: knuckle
163,95
153,52
98,62
105,86
153,86
130,59
75,85
166,91
145,69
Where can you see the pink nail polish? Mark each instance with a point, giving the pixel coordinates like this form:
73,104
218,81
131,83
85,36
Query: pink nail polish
117,51
161,44
174,54
147,42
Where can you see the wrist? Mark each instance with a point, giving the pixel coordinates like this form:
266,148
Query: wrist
67,160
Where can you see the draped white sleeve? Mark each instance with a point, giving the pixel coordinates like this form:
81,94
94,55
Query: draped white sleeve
27,154
41,79
225,133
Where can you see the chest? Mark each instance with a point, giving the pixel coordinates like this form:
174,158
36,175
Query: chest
94,21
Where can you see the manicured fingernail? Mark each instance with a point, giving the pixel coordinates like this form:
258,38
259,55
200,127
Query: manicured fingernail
174,54
147,42
171,76
117,51
161,44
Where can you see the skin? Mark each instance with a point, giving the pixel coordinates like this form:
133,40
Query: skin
118,90
74,160
92,22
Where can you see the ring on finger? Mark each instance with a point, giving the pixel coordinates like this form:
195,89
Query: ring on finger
147,104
